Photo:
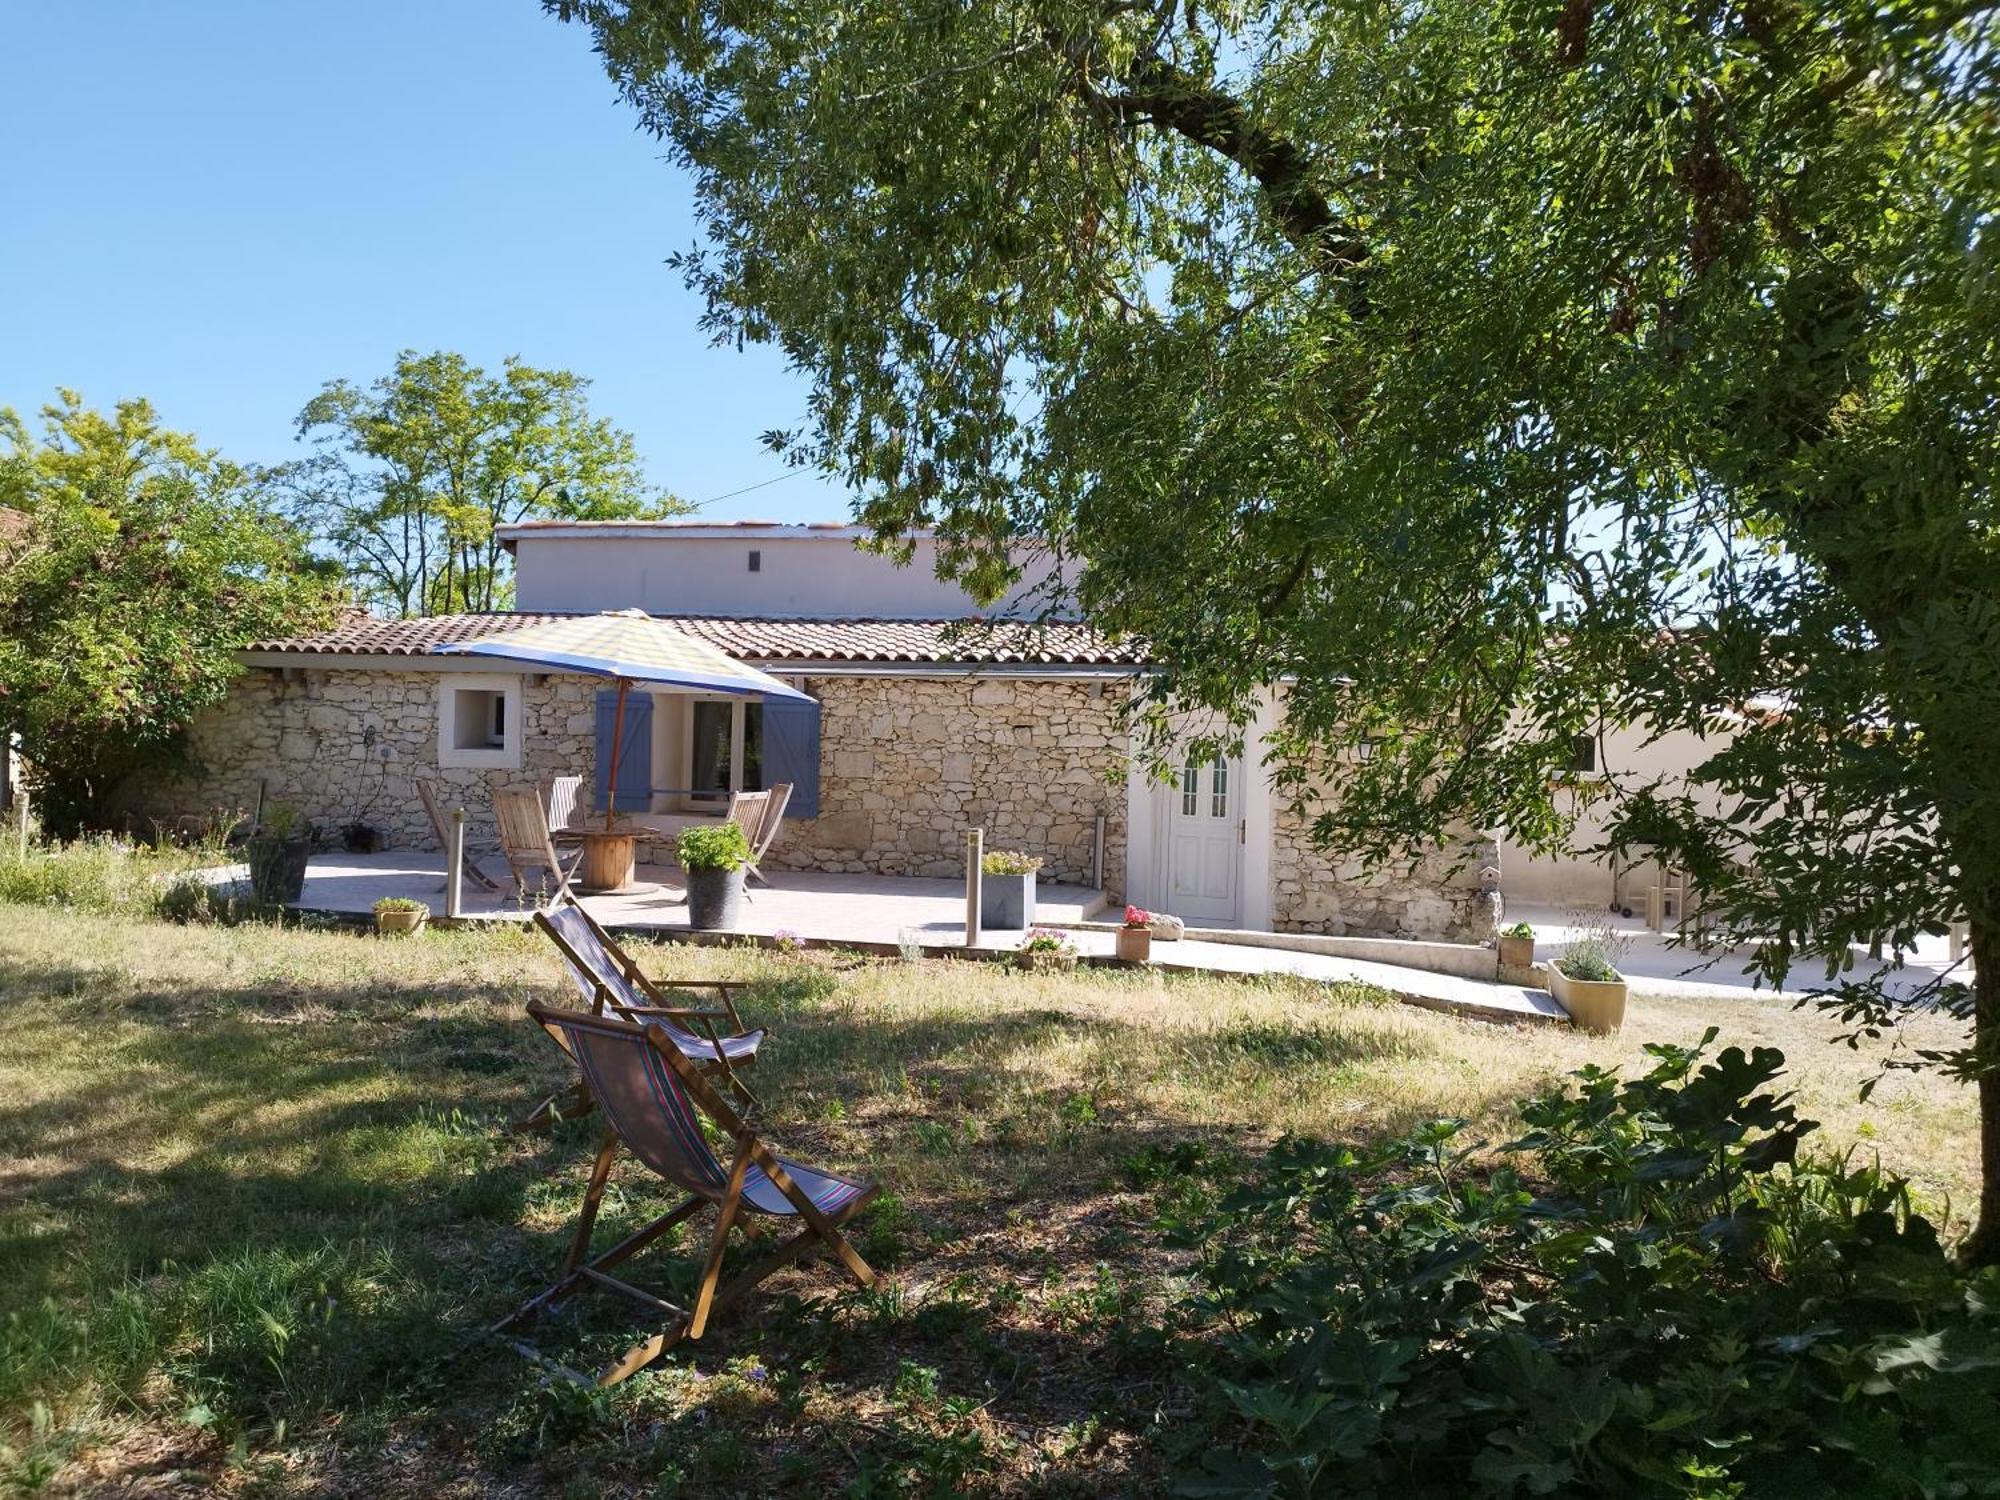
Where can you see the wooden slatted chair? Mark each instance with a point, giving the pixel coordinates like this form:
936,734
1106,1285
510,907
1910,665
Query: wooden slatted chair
525,840
652,1099
441,826
612,983
777,800
560,795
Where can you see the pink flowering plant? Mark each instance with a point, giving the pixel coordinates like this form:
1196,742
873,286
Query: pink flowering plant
1046,940
1138,916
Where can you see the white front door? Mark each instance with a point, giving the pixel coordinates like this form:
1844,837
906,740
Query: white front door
1204,842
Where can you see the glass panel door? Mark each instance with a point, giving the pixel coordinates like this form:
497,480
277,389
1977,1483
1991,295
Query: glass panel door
709,763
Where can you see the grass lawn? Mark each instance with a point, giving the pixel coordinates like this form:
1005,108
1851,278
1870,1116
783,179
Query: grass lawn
256,1203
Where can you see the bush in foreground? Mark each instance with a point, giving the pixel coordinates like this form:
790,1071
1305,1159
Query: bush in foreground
1657,1296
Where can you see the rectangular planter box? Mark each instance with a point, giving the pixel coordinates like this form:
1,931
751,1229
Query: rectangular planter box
1596,1005
1007,901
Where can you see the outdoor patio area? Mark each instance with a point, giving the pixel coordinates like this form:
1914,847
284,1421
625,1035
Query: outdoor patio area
815,907
1654,963
885,913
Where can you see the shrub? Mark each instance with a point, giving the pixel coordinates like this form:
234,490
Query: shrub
97,873
719,847
192,899
1585,960
1519,930
1652,1295
1047,940
1008,862
401,903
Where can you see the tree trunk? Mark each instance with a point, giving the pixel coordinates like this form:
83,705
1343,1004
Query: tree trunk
1982,1248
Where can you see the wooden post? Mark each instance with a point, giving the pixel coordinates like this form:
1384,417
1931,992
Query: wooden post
975,847
454,870
617,741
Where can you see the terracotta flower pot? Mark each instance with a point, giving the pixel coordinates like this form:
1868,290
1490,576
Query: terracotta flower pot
1135,944
1596,1005
400,921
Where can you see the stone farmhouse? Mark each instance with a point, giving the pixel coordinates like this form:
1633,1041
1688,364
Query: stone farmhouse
929,720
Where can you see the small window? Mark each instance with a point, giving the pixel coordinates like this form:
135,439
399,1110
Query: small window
478,722
1218,790
1583,755
1190,788
756,561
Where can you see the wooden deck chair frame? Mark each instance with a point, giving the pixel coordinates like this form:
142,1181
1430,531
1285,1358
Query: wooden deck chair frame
525,840
574,1102
582,1271
441,826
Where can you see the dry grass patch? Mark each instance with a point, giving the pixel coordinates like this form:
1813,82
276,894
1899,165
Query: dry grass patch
256,1204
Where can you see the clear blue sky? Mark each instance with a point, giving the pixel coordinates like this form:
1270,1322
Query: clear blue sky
220,206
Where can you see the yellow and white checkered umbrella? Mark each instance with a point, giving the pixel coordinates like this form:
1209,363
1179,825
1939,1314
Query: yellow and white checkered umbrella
628,644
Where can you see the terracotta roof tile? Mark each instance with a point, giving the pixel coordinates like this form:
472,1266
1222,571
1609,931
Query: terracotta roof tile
998,643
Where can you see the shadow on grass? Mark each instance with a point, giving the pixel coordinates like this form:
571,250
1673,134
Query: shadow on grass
280,1205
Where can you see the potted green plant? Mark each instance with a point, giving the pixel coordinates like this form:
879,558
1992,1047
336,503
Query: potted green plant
1007,888
1135,937
1587,984
400,914
713,857
1045,949
277,853
1517,946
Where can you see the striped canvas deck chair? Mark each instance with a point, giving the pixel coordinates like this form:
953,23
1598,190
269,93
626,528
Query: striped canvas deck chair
652,1099
612,983
441,826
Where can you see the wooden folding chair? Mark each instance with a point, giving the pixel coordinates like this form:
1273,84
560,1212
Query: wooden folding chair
441,826
611,982
525,840
560,795
777,799
652,1099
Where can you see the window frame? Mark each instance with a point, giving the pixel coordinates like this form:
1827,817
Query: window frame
502,694
739,738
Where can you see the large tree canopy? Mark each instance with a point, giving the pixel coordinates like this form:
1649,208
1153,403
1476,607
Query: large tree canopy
145,561
412,476
1498,373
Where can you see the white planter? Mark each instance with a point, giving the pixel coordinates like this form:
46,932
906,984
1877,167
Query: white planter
1597,1005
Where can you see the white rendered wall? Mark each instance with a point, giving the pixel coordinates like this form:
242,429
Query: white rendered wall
798,576
1584,880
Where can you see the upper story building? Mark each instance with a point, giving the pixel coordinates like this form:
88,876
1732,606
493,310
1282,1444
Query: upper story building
743,569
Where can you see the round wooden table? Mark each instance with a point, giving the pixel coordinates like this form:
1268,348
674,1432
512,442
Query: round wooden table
609,858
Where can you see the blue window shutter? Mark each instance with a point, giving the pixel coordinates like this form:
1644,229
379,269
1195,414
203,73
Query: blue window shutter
635,757
791,752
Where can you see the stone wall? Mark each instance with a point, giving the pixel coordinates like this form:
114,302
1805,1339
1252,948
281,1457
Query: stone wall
1449,896
908,764
318,739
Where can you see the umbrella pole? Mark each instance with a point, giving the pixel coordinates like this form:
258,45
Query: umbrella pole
617,743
